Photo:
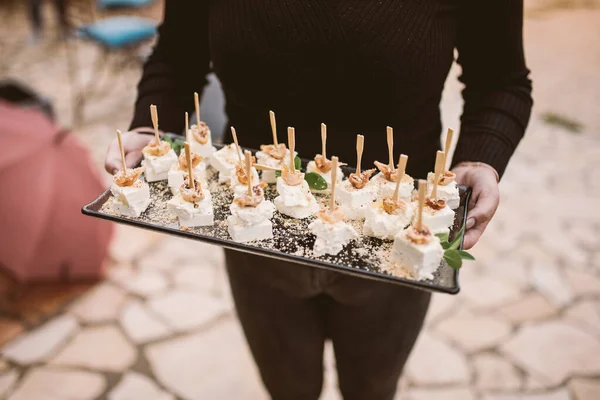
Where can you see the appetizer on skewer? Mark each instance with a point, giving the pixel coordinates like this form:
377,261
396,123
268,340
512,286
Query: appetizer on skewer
198,136
193,204
251,213
389,214
322,166
436,213
331,232
159,157
224,161
274,156
131,195
295,199
416,249
355,194
179,169
239,178
386,179
447,188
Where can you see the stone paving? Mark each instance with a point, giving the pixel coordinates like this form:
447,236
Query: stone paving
526,325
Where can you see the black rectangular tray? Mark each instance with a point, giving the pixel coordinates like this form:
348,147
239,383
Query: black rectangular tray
292,240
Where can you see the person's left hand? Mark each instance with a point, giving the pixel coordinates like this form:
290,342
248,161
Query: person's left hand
485,198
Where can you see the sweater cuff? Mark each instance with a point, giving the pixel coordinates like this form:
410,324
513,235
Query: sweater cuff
483,147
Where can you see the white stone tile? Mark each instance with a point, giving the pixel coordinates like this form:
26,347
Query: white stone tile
207,365
7,382
184,310
549,281
531,307
134,386
585,389
587,314
130,243
41,343
449,393
140,325
554,351
45,383
441,305
486,292
474,333
196,277
102,348
559,394
582,283
102,304
434,361
495,373
146,283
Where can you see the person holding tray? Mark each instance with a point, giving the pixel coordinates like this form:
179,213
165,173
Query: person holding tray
357,66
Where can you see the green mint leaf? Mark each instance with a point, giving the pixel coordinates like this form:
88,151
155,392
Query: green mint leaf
452,257
443,237
445,245
315,181
177,145
277,174
298,163
465,255
167,139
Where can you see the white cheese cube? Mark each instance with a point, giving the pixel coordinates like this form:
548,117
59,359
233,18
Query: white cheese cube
312,167
192,214
157,167
421,260
176,176
355,201
447,192
263,158
386,188
380,224
295,201
438,221
243,234
331,238
225,160
131,201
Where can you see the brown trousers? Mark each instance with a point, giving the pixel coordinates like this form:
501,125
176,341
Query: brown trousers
288,310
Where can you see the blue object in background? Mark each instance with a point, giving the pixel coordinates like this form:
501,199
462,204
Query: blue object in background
123,3
118,32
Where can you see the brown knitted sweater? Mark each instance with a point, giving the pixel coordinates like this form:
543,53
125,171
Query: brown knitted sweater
356,65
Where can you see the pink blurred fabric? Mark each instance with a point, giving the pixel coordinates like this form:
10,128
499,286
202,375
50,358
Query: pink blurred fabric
45,178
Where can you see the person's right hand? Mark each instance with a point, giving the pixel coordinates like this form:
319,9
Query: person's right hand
133,143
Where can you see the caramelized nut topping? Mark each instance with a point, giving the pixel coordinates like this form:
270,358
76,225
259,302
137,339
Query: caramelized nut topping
240,172
277,152
446,178
258,195
157,149
183,161
291,178
190,195
423,236
393,207
331,216
360,180
435,204
324,165
200,132
129,177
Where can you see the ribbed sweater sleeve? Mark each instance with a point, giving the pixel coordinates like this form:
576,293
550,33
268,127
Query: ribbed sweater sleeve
177,67
497,93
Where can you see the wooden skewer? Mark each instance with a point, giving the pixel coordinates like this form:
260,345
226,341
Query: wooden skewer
449,138
154,115
422,189
360,145
273,127
401,170
237,146
390,143
187,128
292,146
334,166
120,139
249,170
439,166
188,156
266,168
197,106
323,140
